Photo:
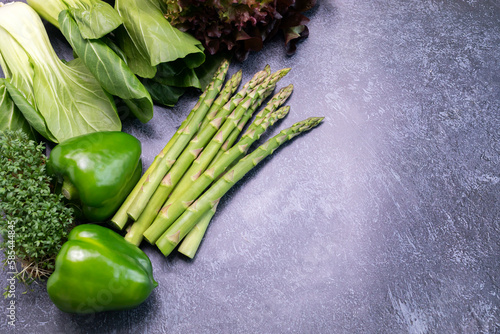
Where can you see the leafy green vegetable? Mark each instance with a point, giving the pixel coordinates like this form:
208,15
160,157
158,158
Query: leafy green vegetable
95,18
166,60
34,221
109,69
174,73
10,116
137,63
154,38
163,94
60,100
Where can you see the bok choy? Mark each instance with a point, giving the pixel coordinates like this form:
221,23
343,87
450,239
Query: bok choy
95,18
11,117
108,68
165,60
150,37
59,100
86,24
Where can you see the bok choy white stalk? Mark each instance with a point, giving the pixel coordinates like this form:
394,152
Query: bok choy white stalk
11,117
59,100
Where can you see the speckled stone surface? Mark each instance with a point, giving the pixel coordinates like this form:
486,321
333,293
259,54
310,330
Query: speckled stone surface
385,219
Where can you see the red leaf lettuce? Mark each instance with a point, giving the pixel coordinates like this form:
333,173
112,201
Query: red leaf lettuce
240,26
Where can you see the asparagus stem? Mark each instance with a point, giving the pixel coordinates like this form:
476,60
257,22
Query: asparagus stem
237,98
120,219
160,222
185,135
277,100
211,150
179,201
214,118
209,200
134,235
192,240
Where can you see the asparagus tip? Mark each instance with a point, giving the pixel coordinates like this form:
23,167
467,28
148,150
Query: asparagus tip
282,112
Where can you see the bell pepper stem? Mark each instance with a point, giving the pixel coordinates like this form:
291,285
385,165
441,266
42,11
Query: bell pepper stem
69,190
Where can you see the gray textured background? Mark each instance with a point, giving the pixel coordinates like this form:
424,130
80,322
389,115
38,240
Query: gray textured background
385,219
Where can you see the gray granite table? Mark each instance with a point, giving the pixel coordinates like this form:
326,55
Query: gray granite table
385,219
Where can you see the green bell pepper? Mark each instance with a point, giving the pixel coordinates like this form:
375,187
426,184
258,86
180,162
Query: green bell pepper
97,270
99,169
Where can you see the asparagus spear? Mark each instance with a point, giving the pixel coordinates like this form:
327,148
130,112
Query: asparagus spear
272,105
134,235
179,201
237,98
185,135
191,242
120,219
159,225
201,163
195,146
209,200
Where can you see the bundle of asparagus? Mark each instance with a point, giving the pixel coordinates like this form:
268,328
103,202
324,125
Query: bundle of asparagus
178,194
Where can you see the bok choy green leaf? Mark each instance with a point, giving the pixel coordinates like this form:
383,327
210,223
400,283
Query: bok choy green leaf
166,60
95,18
153,36
59,100
108,68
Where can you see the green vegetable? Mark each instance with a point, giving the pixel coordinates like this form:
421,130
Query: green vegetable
209,200
267,117
10,116
97,270
59,100
99,169
166,60
108,68
34,221
179,191
182,163
159,43
177,204
84,24
120,219
95,18
247,105
185,135
191,242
